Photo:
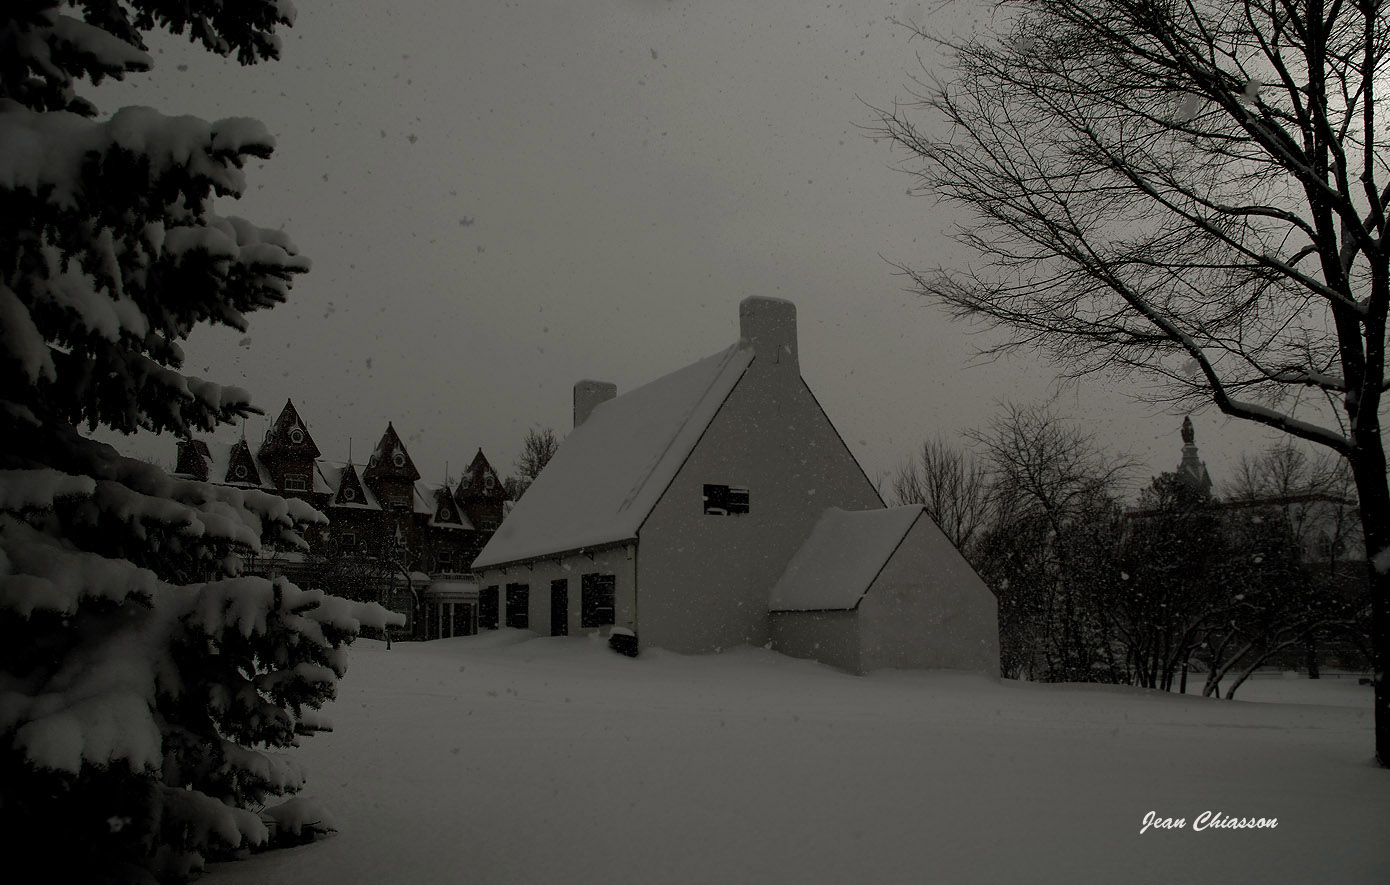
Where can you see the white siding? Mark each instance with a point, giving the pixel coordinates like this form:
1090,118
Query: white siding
538,574
831,637
928,609
703,579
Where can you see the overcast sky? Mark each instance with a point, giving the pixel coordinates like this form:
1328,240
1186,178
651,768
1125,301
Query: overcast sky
502,198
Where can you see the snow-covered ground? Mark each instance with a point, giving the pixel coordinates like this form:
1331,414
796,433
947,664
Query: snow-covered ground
505,758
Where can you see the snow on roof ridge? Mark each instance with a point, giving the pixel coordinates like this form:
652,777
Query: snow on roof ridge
715,377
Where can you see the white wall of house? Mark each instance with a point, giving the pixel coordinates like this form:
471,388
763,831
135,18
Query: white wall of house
703,580
831,637
538,575
929,609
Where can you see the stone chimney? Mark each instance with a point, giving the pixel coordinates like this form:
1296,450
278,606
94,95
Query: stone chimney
769,324
589,395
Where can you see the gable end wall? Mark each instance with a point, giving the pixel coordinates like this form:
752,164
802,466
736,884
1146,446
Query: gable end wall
704,580
929,609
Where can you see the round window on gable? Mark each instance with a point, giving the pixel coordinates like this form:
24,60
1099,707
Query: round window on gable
398,459
349,494
488,482
240,471
445,514
296,435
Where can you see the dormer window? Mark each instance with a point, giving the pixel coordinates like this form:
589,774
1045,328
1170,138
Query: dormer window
398,459
296,435
295,482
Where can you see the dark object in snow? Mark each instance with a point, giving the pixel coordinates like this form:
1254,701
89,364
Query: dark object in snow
623,641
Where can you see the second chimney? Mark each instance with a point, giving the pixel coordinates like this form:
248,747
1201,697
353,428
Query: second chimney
589,395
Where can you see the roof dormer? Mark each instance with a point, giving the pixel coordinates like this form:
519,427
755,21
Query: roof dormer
349,492
193,459
447,511
390,461
241,467
480,481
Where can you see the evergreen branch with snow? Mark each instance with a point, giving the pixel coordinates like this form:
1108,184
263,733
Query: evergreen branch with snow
148,688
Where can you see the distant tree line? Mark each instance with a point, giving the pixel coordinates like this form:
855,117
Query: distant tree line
1179,590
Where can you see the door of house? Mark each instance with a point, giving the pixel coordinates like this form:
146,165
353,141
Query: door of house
560,607
462,619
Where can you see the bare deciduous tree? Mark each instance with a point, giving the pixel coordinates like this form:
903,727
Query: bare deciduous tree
953,488
539,446
1049,551
1313,495
1192,192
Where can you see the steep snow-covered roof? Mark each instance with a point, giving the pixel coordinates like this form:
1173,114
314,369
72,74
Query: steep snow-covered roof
841,558
612,469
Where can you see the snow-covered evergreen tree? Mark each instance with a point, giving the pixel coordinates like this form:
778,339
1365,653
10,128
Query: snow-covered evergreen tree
145,687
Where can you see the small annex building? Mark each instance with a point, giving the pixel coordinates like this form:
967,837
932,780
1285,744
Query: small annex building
672,512
873,589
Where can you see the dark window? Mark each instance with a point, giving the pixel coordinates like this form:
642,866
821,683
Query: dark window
446,558
295,483
596,600
518,602
725,500
347,541
487,608
560,607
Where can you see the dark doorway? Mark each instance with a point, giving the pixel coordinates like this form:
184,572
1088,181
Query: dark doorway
560,607
487,608
519,606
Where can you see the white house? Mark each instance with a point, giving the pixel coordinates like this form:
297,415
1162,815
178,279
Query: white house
674,510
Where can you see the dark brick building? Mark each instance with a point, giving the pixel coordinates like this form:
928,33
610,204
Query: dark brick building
390,536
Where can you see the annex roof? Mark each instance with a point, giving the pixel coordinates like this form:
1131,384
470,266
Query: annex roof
612,469
840,560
